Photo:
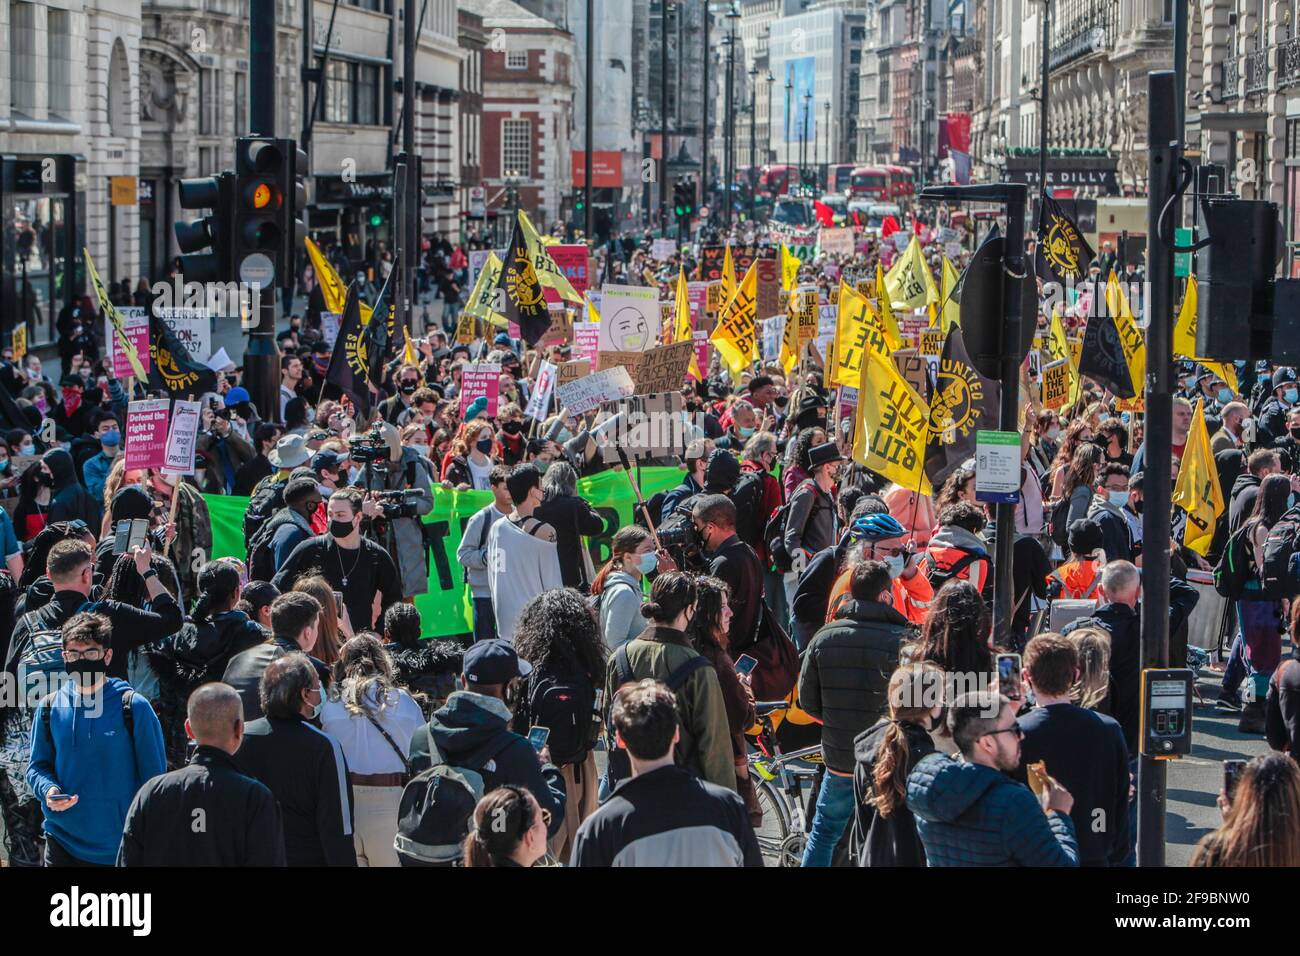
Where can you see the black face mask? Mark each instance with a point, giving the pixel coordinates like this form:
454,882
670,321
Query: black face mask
485,446
1295,433
781,401
341,529
512,428
408,388
1137,506
86,670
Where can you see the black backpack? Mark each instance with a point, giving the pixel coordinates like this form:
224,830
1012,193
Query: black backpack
748,498
1058,523
267,499
261,559
566,705
938,576
619,767
1233,571
1276,576
774,531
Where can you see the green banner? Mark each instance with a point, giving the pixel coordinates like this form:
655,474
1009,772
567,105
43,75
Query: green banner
446,610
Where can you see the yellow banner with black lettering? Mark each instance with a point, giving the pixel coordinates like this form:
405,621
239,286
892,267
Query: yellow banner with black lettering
951,313
887,321
858,330
1056,384
1058,347
1197,490
789,268
895,425
909,280
1185,339
735,337
1130,336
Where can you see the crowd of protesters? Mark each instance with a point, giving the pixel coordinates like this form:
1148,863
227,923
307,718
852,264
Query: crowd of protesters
294,695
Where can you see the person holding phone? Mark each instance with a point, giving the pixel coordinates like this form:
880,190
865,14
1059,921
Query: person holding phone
94,744
1261,818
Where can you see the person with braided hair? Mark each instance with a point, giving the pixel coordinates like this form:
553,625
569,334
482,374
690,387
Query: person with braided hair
884,830
509,830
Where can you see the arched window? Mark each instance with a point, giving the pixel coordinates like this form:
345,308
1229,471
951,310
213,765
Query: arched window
119,90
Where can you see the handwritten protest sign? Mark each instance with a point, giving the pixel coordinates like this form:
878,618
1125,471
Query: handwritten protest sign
135,323
914,369
192,328
664,369
584,394
652,426
540,401
561,330
627,360
838,242
146,433
480,379
661,250
567,372
178,459
770,341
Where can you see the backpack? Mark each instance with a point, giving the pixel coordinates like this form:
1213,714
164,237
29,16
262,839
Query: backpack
748,498
1058,523
1276,577
938,576
261,559
620,767
267,499
774,531
566,705
1233,572
437,804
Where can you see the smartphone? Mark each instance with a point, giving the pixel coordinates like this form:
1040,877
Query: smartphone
537,737
338,602
1009,676
745,664
62,797
1232,770
130,533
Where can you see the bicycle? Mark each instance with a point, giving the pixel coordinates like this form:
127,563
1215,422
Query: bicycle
779,786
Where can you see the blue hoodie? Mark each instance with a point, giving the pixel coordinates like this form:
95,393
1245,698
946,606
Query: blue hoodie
84,750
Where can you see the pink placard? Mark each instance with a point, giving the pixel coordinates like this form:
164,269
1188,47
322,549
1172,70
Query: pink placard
146,433
135,323
697,293
586,336
572,262
701,351
480,379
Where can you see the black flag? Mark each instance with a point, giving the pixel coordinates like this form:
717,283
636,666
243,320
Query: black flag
962,402
348,371
1102,358
1063,254
519,290
379,330
171,367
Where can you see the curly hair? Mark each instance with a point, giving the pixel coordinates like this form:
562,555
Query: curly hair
126,585
802,445
557,630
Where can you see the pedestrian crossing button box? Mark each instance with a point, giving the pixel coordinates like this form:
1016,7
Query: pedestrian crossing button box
1166,714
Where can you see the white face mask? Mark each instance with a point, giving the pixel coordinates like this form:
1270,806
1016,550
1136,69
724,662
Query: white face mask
421,450
1053,433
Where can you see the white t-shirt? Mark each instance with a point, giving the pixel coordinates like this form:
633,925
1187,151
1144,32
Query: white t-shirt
364,747
479,474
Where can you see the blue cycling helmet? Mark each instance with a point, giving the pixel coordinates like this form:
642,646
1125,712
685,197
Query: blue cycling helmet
876,527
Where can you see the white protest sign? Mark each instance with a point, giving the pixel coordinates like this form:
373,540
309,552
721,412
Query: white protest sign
629,318
329,326
541,397
182,436
586,393
773,329
192,328
827,315
661,250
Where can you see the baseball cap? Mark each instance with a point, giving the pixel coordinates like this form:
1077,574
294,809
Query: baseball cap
237,395
327,459
493,662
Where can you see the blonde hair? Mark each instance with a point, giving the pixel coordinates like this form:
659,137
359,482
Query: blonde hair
1093,686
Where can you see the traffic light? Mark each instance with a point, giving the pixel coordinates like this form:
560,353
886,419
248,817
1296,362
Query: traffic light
217,194
684,198
268,199
578,202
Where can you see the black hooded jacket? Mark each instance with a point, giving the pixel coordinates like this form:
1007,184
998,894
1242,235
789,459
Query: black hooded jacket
69,499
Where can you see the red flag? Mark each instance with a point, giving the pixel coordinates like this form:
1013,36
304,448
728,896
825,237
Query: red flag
888,226
825,215
916,227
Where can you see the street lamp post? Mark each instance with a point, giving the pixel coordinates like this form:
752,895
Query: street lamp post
785,132
767,139
729,163
661,174
826,163
752,178
803,136
1043,98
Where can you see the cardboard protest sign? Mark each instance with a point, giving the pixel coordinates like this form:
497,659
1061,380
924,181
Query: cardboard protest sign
192,328
652,426
561,330
480,379
629,318
135,325
584,394
567,372
914,369
19,343
146,433
182,435
664,369
627,360
770,300
539,402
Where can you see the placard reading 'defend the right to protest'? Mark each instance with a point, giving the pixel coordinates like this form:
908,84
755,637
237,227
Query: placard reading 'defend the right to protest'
146,433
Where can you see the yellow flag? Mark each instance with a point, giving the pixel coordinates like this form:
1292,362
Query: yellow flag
480,299
1197,491
789,268
887,321
858,330
331,286
1130,336
894,426
593,314
951,318
1058,346
408,354
728,275
790,336
128,349
735,336
1185,339
909,281
683,331
548,273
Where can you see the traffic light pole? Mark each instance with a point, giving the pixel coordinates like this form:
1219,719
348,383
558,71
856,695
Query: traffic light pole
1164,151
409,250
589,229
262,355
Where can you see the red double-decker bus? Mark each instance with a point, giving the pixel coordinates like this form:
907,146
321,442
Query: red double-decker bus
902,183
869,182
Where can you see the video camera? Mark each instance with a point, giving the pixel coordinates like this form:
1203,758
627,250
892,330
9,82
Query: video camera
678,536
399,504
370,449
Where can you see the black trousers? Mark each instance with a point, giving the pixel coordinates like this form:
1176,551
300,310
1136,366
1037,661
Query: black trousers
56,855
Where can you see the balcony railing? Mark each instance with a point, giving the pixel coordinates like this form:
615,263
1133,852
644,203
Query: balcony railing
1288,62
1232,78
1257,71
1086,29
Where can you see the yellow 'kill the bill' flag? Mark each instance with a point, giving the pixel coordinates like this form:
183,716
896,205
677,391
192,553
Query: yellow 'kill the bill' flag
735,337
682,330
950,318
1197,490
1058,346
333,289
1185,339
858,329
1130,336
909,281
789,268
894,427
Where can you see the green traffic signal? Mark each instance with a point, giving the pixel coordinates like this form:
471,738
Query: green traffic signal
376,220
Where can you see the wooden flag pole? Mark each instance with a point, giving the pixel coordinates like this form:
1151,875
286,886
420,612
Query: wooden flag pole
640,500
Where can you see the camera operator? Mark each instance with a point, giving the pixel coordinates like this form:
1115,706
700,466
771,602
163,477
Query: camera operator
355,566
398,482
222,441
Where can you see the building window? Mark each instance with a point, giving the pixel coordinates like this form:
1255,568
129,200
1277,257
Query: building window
517,147
24,57
59,70
207,160
516,59
367,98
241,104
337,104
209,102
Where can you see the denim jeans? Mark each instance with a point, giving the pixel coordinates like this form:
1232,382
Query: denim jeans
832,815
1235,671
485,621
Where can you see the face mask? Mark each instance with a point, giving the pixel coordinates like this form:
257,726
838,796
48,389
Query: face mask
28,449
1225,395
111,439
43,478
41,405
316,707
1118,498
896,563
421,450
1137,507
71,400
1053,433
744,432
4,465
563,436
408,388
484,445
86,672
512,428
341,529
1124,417
1289,396
1295,433
780,401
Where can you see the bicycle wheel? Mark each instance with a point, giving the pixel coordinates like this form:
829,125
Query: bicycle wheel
775,828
